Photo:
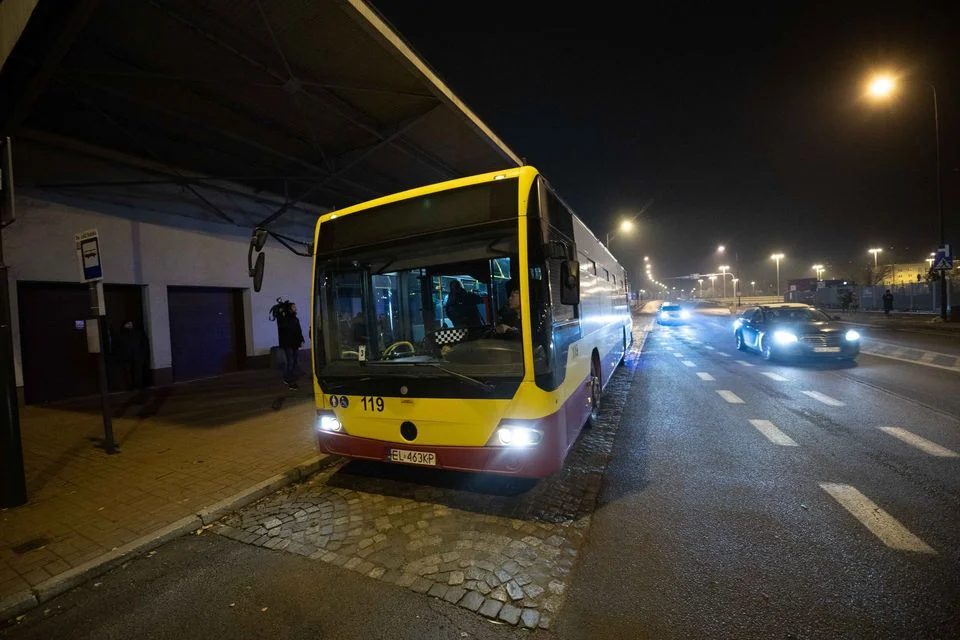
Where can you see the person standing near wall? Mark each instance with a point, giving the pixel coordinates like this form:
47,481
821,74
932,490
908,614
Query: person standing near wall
290,339
130,349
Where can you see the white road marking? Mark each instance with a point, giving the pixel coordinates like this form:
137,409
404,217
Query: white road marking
745,363
879,522
920,443
688,363
669,348
774,376
679,355
877,354
726,355
772,433
825,399
706,377
709,347
730,396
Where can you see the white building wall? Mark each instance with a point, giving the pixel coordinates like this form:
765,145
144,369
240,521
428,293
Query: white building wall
145,249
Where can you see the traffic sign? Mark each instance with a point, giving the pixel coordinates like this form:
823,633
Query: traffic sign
942,260
88,255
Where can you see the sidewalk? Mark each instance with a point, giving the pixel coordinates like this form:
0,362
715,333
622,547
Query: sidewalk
188,453
899,320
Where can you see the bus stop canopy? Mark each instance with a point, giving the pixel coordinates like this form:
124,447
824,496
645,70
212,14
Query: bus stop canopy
251,111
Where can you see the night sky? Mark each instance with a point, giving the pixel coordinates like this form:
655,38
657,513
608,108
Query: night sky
730,124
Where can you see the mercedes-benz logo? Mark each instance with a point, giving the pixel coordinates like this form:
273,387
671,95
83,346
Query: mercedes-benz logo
404,390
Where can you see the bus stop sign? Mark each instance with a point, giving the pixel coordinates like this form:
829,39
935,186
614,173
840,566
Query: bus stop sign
88,255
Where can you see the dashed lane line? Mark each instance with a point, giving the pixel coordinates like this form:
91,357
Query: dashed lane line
709,347
773,434
688,363
745,363
825,399
774,376
730,396
879,522
923,444
679,355
706,377
724,354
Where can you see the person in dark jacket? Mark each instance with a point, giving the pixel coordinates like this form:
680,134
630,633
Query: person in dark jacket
130,350
290,336
461,306
887,303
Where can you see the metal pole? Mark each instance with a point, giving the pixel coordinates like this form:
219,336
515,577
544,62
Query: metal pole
96,299
778,276
13,484
943,240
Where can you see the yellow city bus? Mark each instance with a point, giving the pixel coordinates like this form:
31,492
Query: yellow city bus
407,372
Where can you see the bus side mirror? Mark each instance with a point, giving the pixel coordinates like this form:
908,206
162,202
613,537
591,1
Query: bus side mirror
255,269
570,282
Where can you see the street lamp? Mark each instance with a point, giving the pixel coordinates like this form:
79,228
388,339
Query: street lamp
753,283
713,286
700,280
721,249
626,226
875,252
778,257
883,86
734,282
723,276
819,269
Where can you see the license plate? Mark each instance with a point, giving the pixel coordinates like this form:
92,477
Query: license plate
425,458
827,349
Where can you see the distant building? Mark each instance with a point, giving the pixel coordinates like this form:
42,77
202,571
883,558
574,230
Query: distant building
902,274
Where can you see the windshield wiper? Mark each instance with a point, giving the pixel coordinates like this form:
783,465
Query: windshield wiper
456,374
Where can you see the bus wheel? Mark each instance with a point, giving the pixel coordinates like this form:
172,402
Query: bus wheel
595,392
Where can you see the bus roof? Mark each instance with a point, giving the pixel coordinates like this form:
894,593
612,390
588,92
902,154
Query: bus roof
514,172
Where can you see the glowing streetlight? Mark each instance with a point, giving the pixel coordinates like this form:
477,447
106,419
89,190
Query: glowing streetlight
713,286
734,282
819,269
721,249
626,226
778,257
753,283
646,258
881,87
723,276
700,280
875,252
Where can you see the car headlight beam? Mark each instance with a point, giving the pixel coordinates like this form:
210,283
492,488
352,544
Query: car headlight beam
517,436
784,337
852,335
328,422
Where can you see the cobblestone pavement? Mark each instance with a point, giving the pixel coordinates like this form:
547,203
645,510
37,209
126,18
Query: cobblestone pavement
499,547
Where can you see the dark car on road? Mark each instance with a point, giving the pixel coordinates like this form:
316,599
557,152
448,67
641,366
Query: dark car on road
672,314
794,331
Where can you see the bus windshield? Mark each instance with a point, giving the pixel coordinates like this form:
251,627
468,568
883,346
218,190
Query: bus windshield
434,300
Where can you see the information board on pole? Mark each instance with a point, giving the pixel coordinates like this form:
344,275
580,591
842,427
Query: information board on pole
88,255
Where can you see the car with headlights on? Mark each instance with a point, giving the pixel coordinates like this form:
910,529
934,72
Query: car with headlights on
672,314
790,331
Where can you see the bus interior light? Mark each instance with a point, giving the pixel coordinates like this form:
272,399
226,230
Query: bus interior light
328,422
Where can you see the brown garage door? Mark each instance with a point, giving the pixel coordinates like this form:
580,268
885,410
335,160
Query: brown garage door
206,331
53,339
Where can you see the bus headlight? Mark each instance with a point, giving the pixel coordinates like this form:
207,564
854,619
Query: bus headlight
328,422
784,337
517,436
852,336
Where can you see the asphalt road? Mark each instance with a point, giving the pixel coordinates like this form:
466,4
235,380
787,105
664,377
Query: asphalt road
814,523
742,500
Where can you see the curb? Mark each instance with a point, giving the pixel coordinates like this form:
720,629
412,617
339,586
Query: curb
24,601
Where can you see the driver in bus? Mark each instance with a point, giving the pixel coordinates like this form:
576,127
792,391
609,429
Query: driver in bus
509,324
